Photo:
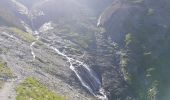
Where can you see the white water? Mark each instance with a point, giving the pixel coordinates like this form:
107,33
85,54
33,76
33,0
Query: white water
75,65
86,76
33,43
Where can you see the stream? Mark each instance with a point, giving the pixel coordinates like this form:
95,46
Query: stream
86,76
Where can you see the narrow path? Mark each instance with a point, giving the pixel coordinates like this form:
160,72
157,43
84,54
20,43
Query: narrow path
6,91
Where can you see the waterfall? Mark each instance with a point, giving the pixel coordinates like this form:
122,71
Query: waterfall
86,76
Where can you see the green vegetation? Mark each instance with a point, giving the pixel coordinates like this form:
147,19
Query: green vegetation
101,30
5,72
123,65
81,32
126,64
150,12
153,91
24,35
137,66
31,89
82,40
145,63
128,38
74,49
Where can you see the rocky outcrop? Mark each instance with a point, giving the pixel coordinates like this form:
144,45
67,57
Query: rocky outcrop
138,27
49,67
28,51
127,53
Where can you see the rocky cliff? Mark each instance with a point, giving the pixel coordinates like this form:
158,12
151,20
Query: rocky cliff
58,44
51,43
140,28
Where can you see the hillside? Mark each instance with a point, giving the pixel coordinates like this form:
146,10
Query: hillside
141,29
8,14
84,49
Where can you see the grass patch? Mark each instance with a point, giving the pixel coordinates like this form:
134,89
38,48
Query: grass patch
150,12
31,89
24,35
124,67
128,38
5,73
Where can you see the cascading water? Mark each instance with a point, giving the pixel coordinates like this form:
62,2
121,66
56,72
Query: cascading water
86,76
33,43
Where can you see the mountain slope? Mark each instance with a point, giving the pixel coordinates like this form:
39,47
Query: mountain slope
8,14
141,30
58,43
31,48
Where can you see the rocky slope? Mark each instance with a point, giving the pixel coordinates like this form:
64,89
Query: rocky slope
28,46
58,43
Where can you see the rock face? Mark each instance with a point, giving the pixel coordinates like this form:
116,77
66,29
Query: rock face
128,53
26,44
138,27
18,49
50,68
